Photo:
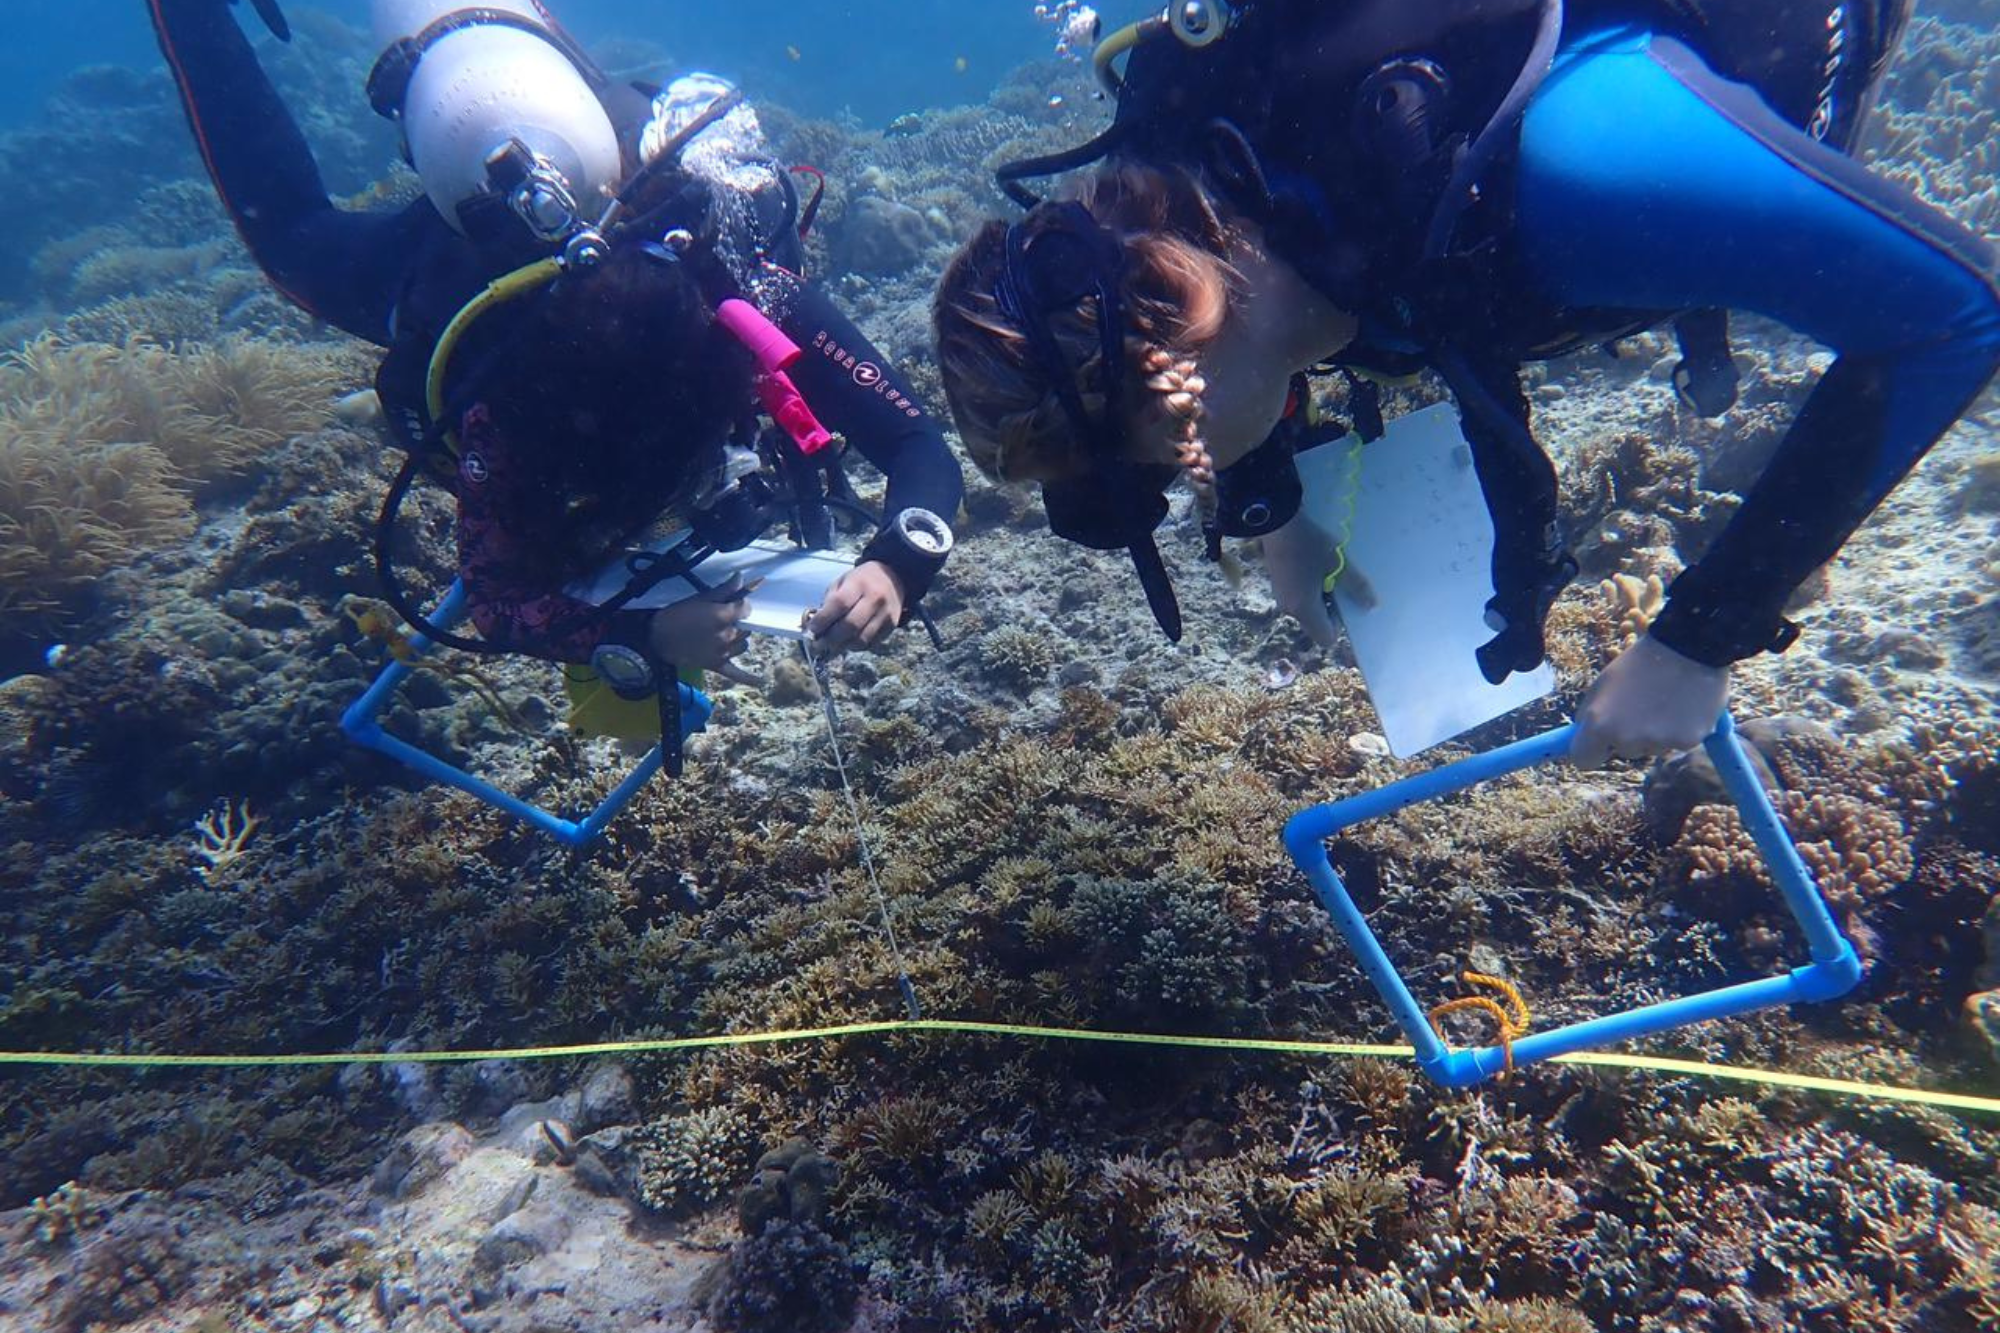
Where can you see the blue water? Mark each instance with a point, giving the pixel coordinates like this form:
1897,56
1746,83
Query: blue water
876,59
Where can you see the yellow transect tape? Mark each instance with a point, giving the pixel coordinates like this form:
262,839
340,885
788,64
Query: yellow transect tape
1950,1101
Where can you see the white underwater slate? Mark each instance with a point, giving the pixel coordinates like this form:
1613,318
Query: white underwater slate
794,584
1422,543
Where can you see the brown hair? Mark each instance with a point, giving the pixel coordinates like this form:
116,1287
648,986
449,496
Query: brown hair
621,389
1176,293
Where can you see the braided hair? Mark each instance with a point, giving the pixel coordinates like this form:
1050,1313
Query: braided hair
1177,289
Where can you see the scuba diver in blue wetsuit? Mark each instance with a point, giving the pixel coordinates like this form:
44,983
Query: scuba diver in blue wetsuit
1467,185
588,320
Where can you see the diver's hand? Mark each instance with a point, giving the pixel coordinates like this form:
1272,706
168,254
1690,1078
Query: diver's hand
861,608
1650,701
1298,557
704,632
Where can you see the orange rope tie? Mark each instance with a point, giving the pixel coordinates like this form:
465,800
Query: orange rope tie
1509,1023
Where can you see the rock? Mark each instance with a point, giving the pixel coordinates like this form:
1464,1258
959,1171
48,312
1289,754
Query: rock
1072,674
792,1184
882,237
613,1155
517,1125
420,1157
516,1198
1681,782
546,1141
1369,745
261,610
500,1083
606,1099
363,407
791,683
414,1085
299,1311
520,1236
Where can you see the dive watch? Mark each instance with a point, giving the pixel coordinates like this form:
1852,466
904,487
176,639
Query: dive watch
923,532
914,544
626,670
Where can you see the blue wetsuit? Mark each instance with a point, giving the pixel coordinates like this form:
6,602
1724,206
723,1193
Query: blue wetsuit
1644,181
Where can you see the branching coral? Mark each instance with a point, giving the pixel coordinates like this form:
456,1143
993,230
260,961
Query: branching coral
222,838
1017,656
1634,603
1858,852
693,1159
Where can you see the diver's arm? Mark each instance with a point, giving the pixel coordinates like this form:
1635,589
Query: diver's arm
854,392
1646,182
1298,557
345,268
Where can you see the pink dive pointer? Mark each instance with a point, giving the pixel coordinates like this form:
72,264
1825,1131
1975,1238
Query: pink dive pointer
774,353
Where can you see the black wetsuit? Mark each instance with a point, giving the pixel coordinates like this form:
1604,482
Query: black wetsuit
385,277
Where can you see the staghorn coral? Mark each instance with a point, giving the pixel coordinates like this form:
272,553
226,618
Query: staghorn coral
1376,1310
986,1187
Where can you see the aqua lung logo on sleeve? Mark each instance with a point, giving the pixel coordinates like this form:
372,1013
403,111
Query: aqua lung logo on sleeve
473,468
866,374
1821,123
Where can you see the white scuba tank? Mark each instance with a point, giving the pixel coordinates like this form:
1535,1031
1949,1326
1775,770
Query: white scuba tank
481,85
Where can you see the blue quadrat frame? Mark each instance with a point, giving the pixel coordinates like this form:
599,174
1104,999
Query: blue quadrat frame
1833,971
363,725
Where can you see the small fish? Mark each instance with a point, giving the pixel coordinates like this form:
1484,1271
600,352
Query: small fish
794,53
53,658
961,64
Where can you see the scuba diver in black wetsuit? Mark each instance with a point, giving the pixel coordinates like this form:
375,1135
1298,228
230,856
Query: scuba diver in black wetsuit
1465,185
583,317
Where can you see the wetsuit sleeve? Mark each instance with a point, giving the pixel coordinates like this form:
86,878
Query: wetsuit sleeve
1646,181
513,590
345,268
853,391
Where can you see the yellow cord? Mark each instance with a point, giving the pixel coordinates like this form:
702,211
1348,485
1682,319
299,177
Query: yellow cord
507,287
1945,1101
1117,44
1349,497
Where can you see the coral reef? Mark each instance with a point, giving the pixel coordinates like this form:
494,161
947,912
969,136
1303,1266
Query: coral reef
1074,823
